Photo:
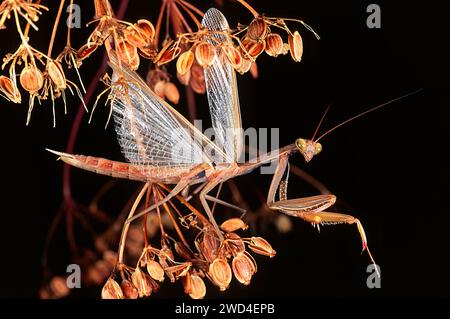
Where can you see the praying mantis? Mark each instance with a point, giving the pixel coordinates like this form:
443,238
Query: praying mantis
149,129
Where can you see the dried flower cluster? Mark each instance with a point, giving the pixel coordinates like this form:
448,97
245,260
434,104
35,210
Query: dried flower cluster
194,252
43,77
206,256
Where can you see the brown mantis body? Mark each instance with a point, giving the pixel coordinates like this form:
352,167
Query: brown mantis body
145,125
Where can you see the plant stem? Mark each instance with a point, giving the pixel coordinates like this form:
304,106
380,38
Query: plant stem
55,27
123,236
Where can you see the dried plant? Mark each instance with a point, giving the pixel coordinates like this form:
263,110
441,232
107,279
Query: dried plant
175,241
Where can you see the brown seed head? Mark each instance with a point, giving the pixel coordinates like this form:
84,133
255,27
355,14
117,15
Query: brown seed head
233,56
234,243
142,282
197,81
257,30
159,89
182,251
296,46
220,273
58,286
168,53
31,79
129,290
9,89
127,54
184,79
274,44
112,290
245,66
233,224
185,61
205,53
110,257
171,93
56,74
260,246
147,52
187,283
254,70
147,28
141,34
198,288
86,50
210,246
244,267
155,270
252,49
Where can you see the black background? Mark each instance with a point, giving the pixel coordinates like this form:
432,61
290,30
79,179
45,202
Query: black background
386,168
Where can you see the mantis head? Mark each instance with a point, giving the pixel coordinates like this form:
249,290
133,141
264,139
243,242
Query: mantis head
308,148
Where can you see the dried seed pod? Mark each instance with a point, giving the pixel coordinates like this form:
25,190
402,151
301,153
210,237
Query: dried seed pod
185,61
233,56
235,243
244,267
233,224
210,246
9,89
220,273
198,288
257,30
112,290
58,286
171,93
159,89
110,257
184,79
142,282
252,49
197,81
285,49
205,53
182,251
187,283
274,44
56,74
31,79
254,70
260,246
147,52
86,50
147,28
155,270
296,46
168,53
127,54
245,66
141,34
283,224
129,290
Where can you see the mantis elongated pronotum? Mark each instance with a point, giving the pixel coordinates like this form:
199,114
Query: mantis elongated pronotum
149,130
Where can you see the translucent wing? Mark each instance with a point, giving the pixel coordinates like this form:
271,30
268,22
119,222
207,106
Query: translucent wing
222,92
150,131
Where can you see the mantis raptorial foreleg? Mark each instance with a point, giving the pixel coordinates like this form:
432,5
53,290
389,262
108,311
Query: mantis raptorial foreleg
310,209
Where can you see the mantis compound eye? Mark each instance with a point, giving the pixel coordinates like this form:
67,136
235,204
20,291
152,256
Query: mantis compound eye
317,148
301,144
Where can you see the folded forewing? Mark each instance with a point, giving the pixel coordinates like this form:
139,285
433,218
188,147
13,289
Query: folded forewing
149,130
222,91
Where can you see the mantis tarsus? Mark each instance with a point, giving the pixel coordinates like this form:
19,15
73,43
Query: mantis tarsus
149,129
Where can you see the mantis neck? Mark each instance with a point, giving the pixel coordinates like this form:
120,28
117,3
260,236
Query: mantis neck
268,157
